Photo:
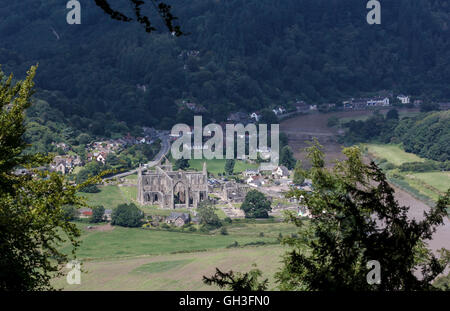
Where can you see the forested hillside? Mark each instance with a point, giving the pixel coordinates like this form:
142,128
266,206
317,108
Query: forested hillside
239,55
426,134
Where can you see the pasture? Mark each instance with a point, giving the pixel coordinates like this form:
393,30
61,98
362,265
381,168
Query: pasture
216,166
392,153
182,271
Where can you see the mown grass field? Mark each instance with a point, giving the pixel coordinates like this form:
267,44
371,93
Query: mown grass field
401,113
183,271
138,259
427,186
392,153
129,242
217,166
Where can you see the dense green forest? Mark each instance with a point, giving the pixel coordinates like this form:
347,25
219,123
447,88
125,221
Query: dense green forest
426,134
239,55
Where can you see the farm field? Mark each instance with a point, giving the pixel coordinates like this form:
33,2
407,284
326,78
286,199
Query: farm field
393,153
216,166
126,242
428,185
182,271
137,259
401,113
110,196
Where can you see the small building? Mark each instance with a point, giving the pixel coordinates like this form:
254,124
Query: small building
255,181
85,213
108,214
404,99
248,173
281,172
255,116
178,219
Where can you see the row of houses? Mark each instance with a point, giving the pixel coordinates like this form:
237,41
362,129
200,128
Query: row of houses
65,163
254,178
364,103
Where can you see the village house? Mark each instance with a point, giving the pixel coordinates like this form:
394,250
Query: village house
85,213
404,99
255,116
249,173
378,102
255,181
178,219
281,172
301,106
65,164
279,110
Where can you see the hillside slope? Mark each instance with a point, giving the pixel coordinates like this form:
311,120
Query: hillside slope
239,55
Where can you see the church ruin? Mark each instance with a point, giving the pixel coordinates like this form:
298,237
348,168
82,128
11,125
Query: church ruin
172,189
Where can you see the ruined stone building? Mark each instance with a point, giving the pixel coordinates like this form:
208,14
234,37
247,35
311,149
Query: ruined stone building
172,189
234,192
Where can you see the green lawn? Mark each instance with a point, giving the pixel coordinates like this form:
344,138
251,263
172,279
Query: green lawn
438,180
109,196
161,266
431,184
393,154
129,242
216,166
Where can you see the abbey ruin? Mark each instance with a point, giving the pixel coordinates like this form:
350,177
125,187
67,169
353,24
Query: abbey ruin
172,189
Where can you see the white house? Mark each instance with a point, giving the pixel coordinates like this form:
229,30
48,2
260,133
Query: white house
101,157
281,172
255,116
378,101
404,99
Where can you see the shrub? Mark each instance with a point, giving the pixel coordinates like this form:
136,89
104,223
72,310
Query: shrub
127,215
224,231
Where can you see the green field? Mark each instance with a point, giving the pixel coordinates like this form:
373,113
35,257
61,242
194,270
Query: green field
137,259
183,271
129,242
217,166
428,186
110,196
364,117
392,153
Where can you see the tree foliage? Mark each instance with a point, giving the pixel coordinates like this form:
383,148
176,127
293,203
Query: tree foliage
256,205
34,219
356,219
243,282
127,215
237,57
287,157
207,215
229,166
299,173
98,213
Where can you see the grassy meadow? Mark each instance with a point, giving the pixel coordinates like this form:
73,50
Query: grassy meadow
393,154
137,259
427,186
216,166
182,271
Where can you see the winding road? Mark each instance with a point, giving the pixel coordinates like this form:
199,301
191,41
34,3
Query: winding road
165,148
